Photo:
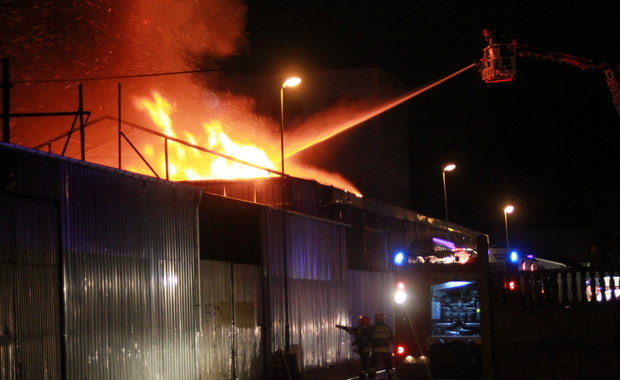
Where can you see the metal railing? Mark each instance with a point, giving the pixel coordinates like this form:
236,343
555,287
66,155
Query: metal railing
83,116
556,287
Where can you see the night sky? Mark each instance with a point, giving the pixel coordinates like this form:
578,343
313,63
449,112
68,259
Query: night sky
546,143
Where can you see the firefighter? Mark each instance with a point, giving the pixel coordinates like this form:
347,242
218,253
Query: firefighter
381,338
361,343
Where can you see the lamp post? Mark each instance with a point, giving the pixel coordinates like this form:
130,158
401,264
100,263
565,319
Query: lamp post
507,210
446,168
290,82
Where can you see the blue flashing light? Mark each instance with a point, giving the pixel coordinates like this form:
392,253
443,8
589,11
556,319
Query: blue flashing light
400,259
514,256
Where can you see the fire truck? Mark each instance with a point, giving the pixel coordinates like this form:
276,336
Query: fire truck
438,313
442,306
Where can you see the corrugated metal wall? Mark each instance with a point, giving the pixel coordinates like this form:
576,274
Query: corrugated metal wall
317,287
370,292
129,248
29,282
231,328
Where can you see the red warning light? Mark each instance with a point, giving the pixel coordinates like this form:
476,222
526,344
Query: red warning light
511,285
400,350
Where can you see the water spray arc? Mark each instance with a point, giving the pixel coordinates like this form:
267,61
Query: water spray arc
303,144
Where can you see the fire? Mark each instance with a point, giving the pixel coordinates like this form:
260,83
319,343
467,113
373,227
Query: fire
223,168
187,163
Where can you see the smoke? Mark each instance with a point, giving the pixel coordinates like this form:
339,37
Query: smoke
55,45
82,40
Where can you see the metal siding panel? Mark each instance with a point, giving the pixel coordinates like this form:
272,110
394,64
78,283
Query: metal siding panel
316,258
216,340
315,309
274,257
368,293
29,316
130,248
231,341
248,321
32,175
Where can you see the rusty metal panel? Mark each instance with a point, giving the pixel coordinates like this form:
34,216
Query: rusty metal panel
231,328
29,283
316,283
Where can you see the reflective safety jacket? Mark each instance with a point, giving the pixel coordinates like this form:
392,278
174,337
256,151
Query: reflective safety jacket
380,336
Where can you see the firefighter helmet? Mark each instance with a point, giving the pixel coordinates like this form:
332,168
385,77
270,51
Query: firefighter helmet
379,316
363,320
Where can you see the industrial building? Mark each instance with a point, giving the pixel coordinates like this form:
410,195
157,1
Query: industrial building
111,274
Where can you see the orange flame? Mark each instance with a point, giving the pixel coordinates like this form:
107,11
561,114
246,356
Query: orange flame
187,163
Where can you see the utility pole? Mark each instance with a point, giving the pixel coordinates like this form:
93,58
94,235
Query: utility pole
6,101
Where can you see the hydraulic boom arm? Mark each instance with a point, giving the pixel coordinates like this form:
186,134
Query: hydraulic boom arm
498,63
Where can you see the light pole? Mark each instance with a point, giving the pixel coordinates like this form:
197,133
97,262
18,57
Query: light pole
446,168
290,82
507,210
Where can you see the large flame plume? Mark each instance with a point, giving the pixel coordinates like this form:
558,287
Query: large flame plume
185,163
53,46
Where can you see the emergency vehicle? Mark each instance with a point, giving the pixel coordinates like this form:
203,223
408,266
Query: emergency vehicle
438,320
442,306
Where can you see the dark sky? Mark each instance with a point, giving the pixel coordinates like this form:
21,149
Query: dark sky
546,143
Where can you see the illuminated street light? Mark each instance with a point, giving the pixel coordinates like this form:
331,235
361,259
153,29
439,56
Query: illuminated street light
507,210
446,168
290,82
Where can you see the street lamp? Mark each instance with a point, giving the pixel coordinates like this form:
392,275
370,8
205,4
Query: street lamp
290,82
507,210
446,168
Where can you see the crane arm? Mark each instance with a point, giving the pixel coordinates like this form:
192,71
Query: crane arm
499,63
552,56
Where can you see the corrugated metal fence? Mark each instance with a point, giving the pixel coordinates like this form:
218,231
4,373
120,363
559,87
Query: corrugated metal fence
29,301
124,305
317,287
231,314
243,318
130,264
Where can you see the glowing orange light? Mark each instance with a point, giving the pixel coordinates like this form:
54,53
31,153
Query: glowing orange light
187,163
462,256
